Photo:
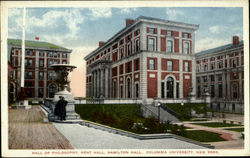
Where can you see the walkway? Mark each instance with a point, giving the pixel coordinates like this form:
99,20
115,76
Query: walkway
28,131
234,138
82,137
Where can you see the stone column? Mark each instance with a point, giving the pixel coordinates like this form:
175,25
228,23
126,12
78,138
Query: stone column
194,74
45,75
106,83
240,85
159,77
36,73
223,84
143,77
228,85
102,83
181,78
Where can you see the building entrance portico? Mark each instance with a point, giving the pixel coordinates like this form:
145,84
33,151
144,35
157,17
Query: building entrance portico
101,79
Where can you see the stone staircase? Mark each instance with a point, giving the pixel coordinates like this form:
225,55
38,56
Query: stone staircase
165,114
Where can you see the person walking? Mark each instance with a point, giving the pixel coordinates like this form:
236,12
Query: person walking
60,109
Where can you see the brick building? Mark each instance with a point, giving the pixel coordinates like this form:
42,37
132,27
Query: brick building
221,71
39,79
148,58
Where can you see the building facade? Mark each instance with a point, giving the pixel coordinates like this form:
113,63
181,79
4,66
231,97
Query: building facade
149,58
39,77
221,72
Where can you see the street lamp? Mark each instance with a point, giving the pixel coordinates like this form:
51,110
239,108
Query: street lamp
158,104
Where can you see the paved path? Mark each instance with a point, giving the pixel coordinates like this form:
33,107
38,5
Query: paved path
28,131
234,140
82,137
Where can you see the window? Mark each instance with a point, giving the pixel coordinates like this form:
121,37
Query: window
151,64
212,66
170,65
199,91
30,62
55,55
211,77
162,90
186,68
41,63
30,75
234,76
205,67
234,63
25,75
114,88
220,90
121,53
212,90
128,88
186,47
40,75
169,46
219,77
64,55
50,62
151,44
136,65
50,75
64,62
121,91
177,90
169,33
40,93
198,68
50,54
137,90
54,76
170,87
25,62
204,78
185,35
220,65
151,30
198,80
128,49
137,46
128,67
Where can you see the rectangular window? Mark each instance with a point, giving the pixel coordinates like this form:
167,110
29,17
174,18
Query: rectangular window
169,46
41,63
137,90
198,91
212,66
177,89
40,75
185,35
234,76
220,65
198,80
64,62
198,68
50,75
219,77
64,55
25,75
40,94
151,64
128,49
204,78
41,53
169,33
121,53
234,63
212,90
137,46
50,54
121,91
162,90
151,44
212,78
151,30
54,76
205,67
136,65
31,53
170,65
186,47
25,62
186,68
30,62
55,55
50,62
30,75
220,90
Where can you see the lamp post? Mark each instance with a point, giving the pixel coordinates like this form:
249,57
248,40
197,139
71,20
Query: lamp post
158,104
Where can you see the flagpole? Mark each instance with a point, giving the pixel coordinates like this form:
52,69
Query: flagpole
23,49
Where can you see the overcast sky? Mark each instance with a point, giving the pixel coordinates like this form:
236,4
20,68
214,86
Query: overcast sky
80,29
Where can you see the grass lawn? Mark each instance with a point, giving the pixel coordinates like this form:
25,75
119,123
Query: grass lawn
203,136
236,129
216,124
184,111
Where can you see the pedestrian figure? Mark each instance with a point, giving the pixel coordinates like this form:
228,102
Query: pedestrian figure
60,109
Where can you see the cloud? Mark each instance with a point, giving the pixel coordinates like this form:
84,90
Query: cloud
100,13
15,20
127,10
173,13
209,43
214,29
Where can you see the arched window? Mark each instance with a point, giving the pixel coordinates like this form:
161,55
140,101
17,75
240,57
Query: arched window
235,91
170,87
128,88
52,90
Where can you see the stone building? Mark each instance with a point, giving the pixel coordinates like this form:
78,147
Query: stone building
221,71
39,79
149,58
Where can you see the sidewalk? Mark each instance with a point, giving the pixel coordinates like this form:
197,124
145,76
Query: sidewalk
82,137
234,140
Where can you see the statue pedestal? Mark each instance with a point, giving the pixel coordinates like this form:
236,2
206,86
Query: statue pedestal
70,108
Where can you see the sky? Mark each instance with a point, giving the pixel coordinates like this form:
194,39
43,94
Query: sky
80,29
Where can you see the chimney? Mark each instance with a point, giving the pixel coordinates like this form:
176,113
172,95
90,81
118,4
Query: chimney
101,43
235,40
129,21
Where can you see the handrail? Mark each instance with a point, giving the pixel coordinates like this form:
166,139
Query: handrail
153,113
170,111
